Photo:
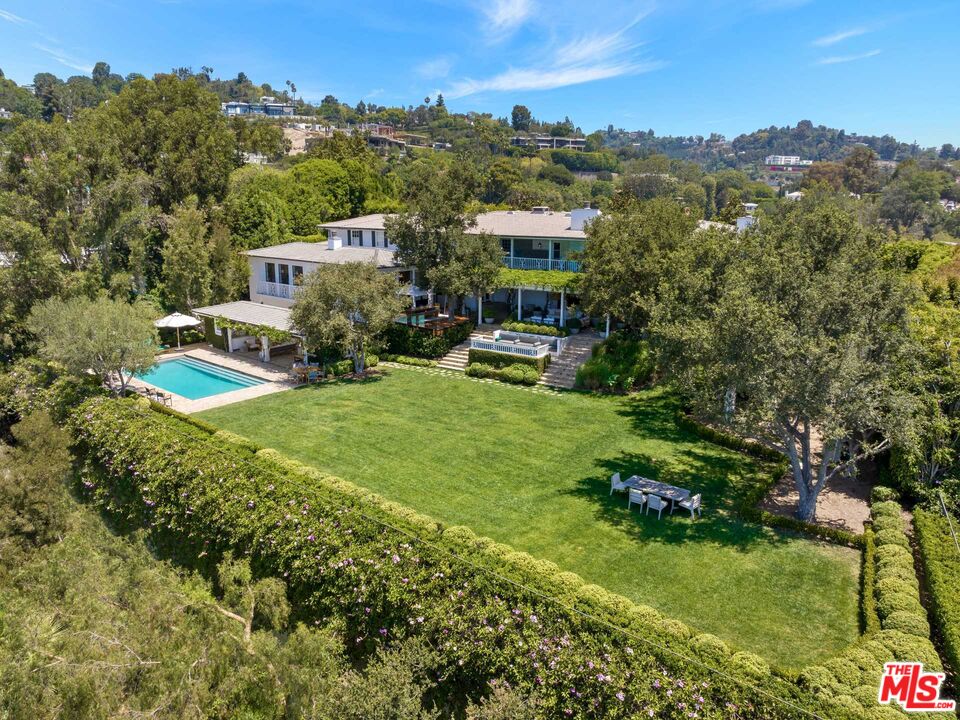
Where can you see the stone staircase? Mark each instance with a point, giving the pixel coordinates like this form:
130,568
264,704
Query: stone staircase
562,371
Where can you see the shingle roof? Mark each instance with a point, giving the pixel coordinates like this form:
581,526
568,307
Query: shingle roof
249,313
364,222
319,252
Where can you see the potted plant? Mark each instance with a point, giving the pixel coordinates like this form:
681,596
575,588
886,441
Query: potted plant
488,316
574,325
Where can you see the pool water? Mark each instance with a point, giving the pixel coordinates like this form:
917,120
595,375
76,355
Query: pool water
195,379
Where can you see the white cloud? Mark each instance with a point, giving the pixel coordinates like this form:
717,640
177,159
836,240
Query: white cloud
840,36
548,78
65,59
432,69
837,59
15,19
507,13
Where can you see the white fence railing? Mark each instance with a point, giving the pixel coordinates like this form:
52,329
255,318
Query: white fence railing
510,348
521,263
275,290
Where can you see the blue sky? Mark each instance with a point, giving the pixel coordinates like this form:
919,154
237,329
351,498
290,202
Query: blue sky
675,66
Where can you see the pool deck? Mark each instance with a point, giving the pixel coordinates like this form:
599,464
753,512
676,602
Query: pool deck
277,377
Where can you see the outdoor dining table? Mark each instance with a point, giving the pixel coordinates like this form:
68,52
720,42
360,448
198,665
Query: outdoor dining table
660,489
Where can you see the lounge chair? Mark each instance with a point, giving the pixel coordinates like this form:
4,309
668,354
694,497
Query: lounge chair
691,504
635,497
657,503
616,483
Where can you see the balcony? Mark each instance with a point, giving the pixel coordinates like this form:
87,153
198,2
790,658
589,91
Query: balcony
278,290
522,263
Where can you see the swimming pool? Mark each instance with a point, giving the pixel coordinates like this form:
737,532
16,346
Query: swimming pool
195,379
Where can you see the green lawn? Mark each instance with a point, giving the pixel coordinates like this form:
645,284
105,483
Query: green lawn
531,470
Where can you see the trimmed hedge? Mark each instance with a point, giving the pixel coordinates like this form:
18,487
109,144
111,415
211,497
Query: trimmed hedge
502,360
384,571
407,360
534,328
517,374
941,564
868,601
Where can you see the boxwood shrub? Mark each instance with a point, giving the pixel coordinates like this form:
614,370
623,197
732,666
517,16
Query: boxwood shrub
941,564
407,360
516,374
383,572
500,360
534,328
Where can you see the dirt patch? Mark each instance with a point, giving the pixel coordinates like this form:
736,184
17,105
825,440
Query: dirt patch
844,503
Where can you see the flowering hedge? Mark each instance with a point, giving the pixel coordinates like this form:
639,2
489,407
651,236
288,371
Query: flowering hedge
387,572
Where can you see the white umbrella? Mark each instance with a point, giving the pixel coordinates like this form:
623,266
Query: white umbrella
177,320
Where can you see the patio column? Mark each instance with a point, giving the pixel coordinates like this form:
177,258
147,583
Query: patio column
265,348
519,304
563,307
479,310
608,326
229,340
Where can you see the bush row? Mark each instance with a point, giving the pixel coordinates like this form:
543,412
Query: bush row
417,342
852,678
502,360
868,576
517,374
534,328
621,362
385,572
407,360
748,507
941,563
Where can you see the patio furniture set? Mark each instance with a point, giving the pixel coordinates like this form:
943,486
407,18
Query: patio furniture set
655,495
156,395
306,373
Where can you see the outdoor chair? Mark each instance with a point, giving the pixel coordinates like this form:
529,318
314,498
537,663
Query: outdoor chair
616,483
313,375
657,503
692,504
635,497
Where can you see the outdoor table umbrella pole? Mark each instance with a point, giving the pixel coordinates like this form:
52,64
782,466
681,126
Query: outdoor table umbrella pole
177,321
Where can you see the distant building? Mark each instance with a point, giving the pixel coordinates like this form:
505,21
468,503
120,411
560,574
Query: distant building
267,106
796,195
5,114
786,163
548,142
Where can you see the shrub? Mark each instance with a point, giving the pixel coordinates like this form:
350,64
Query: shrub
407,360
419,342
909,623
886,507
534,328
341,367
881,493
381,571
941,563
516,374
500,360
887,522
868,606
892,537
619,363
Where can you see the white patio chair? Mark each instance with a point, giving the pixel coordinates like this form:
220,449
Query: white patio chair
616,483
657,503
635,497
691,504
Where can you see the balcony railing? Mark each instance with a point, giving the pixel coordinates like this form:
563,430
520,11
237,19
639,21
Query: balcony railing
278,290
511,348
522,263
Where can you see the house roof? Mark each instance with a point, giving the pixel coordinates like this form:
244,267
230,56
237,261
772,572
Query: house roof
505,223
249,313
524,223
320,252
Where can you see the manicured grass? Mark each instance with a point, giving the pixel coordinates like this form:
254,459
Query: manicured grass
532,470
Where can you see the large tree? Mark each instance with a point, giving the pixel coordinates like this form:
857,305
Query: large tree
111,338
186,259
346,306
475,267
790,333
625,258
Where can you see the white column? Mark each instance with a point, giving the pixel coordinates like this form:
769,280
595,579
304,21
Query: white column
563,307
608,326
229,340
265,348
511,252
479,310
519,303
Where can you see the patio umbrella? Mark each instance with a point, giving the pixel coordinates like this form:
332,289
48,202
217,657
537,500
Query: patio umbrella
177,320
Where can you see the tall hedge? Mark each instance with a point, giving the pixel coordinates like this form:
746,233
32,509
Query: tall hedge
941,563
388,572
502,360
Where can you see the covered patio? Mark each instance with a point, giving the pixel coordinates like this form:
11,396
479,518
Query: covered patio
247,327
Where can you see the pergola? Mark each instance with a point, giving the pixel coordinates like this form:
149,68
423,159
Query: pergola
253,315
538,280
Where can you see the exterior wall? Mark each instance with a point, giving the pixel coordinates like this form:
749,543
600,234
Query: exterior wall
276,293
541,253
218,341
